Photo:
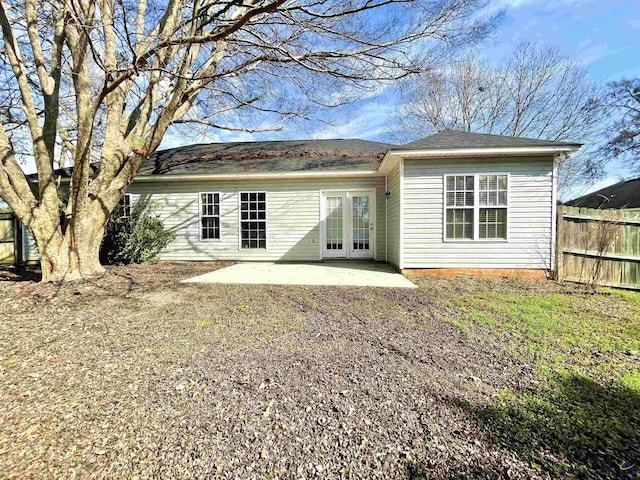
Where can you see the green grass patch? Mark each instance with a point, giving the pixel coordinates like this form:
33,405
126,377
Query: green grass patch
558,329
630,380
630,296
241,308
573,426
583,419
204,323
463,327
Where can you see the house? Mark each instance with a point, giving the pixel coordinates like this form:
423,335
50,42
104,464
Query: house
625,194
453,200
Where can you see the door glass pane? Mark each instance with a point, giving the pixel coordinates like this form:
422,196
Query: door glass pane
361,221
334,223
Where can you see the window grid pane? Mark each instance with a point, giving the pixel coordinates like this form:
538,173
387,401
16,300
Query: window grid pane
360,223
125,204
460,191
460,224
210,216
493,190
253,216
334,223
493,223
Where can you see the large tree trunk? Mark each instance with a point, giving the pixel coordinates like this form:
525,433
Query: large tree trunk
74,255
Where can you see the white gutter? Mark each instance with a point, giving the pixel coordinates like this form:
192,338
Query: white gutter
449,152
256,176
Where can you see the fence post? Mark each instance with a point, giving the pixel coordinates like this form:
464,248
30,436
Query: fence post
560,243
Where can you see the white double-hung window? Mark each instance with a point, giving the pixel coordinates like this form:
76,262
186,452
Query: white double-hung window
125,204
476,207
253,220
210,216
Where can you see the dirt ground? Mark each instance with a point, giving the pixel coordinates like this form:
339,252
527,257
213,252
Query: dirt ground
135,375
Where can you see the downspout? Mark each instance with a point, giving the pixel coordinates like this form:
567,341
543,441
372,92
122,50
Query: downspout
386,226
554,215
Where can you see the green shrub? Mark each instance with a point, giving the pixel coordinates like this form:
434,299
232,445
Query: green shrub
134,239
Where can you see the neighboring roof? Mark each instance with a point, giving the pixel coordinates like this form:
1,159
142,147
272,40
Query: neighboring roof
625,194
268,157
451,139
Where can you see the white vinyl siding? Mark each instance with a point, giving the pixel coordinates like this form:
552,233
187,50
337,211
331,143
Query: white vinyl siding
393,216
530,219
293,216
30,252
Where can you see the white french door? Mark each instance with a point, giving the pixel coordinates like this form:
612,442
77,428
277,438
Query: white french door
347,224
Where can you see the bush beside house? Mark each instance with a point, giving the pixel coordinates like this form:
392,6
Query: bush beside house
134,236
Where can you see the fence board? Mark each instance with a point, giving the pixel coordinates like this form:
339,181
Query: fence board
599,246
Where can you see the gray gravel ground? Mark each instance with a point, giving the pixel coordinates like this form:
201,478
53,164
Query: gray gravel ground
137,376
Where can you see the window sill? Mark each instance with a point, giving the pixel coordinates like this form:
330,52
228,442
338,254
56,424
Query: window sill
482,240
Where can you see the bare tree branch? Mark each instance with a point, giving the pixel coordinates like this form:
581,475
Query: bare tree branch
536,92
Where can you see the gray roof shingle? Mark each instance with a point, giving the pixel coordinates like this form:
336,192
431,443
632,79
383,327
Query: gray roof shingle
625,194
267,157
452,139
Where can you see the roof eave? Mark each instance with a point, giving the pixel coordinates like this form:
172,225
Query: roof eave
256,176
388,160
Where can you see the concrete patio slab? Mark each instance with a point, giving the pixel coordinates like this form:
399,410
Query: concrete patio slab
348,273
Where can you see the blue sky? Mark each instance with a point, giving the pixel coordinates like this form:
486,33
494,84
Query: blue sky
603,35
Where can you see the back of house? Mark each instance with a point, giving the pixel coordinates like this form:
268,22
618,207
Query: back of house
455,200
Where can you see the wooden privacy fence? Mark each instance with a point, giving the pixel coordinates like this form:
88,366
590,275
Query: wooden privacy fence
7,238
600,247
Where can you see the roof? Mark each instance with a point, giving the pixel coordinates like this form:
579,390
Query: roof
308,157
267,157
452,139
625,194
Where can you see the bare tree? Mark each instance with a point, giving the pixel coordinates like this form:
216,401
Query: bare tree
624,132
535,92
99,82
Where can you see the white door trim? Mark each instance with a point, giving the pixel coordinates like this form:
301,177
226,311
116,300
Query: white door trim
348,222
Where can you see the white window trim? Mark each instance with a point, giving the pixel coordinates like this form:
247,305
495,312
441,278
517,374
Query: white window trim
476,208
266,220
200,216
123,202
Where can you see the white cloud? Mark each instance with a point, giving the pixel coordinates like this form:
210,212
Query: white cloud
369,123
513,4
600,51
177,138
